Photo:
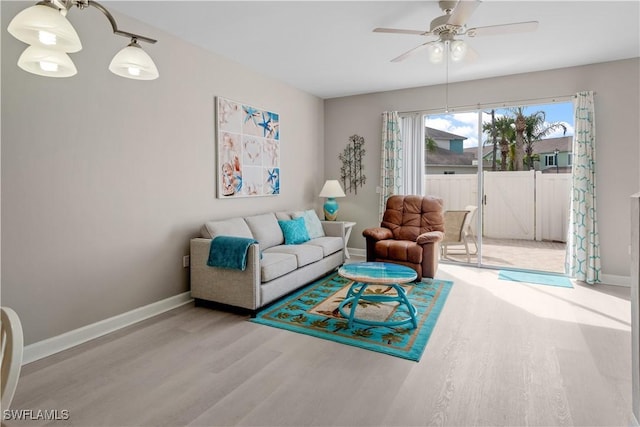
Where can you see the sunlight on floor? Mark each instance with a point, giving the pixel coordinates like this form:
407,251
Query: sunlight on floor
601,305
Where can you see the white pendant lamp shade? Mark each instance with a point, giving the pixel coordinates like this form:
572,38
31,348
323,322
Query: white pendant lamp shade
45,26
46,62
134,63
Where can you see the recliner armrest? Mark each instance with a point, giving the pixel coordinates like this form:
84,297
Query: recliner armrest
430,237
378,233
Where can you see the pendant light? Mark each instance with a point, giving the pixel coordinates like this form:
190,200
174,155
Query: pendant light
45,26
51,36
46,62
134,63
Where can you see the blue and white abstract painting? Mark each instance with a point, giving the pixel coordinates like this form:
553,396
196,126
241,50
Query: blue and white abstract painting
248,150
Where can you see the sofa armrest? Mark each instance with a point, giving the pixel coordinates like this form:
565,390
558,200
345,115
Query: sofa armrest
430,237
377,233
240,288
333,228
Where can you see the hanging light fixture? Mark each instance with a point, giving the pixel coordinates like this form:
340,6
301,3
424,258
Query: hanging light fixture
51,36
436,52
457,49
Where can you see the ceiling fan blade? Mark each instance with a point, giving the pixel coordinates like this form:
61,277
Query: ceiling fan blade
518,27
399,31
462,12
411,52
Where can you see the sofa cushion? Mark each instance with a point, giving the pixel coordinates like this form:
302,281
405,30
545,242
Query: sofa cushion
305,254
235,227
265,229
294,230
283,215
328,244
312,222
276,264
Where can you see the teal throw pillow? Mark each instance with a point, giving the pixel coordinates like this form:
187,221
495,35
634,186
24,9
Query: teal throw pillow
294,230
311,220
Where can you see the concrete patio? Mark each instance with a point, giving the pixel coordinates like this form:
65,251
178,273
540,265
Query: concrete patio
525,254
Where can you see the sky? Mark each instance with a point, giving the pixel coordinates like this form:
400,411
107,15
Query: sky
466,124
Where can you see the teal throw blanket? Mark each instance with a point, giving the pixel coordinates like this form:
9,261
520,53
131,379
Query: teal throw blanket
229,252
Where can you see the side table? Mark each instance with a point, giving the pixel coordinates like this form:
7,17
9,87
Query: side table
348,226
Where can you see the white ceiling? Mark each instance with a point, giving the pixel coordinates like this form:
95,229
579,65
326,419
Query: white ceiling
327,48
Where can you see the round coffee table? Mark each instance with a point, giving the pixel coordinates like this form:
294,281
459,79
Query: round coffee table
377,273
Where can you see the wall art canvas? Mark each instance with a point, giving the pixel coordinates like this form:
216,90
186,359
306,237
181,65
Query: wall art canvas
248,144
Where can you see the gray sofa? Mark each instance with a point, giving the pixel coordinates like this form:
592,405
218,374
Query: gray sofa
273,268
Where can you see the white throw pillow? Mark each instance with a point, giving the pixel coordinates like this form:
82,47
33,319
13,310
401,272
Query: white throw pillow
312,222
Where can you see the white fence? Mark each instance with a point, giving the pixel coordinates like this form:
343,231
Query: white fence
517,205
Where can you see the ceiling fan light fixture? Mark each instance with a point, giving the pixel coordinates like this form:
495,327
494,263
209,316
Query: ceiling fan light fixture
458,50
42,25
46,62
436,52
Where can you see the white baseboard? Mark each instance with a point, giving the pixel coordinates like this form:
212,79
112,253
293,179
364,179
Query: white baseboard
44,348
357,252
612,279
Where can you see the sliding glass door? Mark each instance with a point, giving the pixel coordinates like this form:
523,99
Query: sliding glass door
504,175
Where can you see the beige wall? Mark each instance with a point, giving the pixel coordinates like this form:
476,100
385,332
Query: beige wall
617,110
105,179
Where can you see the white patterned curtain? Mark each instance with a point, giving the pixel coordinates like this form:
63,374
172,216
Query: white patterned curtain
583,245
412,134
390,159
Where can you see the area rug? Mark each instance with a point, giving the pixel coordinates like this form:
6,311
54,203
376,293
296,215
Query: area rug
314,311
536,278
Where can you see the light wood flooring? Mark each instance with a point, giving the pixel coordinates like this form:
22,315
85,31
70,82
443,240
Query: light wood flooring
501,354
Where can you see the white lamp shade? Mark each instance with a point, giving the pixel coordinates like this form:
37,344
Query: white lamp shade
46,62
44,26
332,188
458,50
134,63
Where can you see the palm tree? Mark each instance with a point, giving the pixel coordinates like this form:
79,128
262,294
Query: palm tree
502,127
430,144
537,128
530,129
520,123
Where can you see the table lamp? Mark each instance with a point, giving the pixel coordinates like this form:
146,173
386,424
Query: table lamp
331,190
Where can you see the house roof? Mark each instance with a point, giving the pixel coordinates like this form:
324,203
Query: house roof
440,134
541,146
442,157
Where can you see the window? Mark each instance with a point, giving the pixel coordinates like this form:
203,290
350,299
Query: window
549,159
569,159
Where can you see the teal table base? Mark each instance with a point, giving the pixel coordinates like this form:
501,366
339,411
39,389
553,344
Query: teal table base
356,293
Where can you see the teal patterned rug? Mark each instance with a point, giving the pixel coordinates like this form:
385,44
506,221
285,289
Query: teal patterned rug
314,311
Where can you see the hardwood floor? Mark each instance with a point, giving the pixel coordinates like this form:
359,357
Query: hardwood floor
501,354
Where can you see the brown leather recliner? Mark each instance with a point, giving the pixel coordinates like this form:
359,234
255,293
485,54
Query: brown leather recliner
409,234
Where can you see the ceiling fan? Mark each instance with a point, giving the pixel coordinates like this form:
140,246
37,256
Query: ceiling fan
451,25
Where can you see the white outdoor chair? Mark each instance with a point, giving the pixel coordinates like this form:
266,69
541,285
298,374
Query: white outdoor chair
12,347
458,230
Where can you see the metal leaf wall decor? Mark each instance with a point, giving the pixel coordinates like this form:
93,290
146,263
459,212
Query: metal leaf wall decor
352,171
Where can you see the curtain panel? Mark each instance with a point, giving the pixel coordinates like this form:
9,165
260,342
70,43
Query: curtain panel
390,159
583,243
412,132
